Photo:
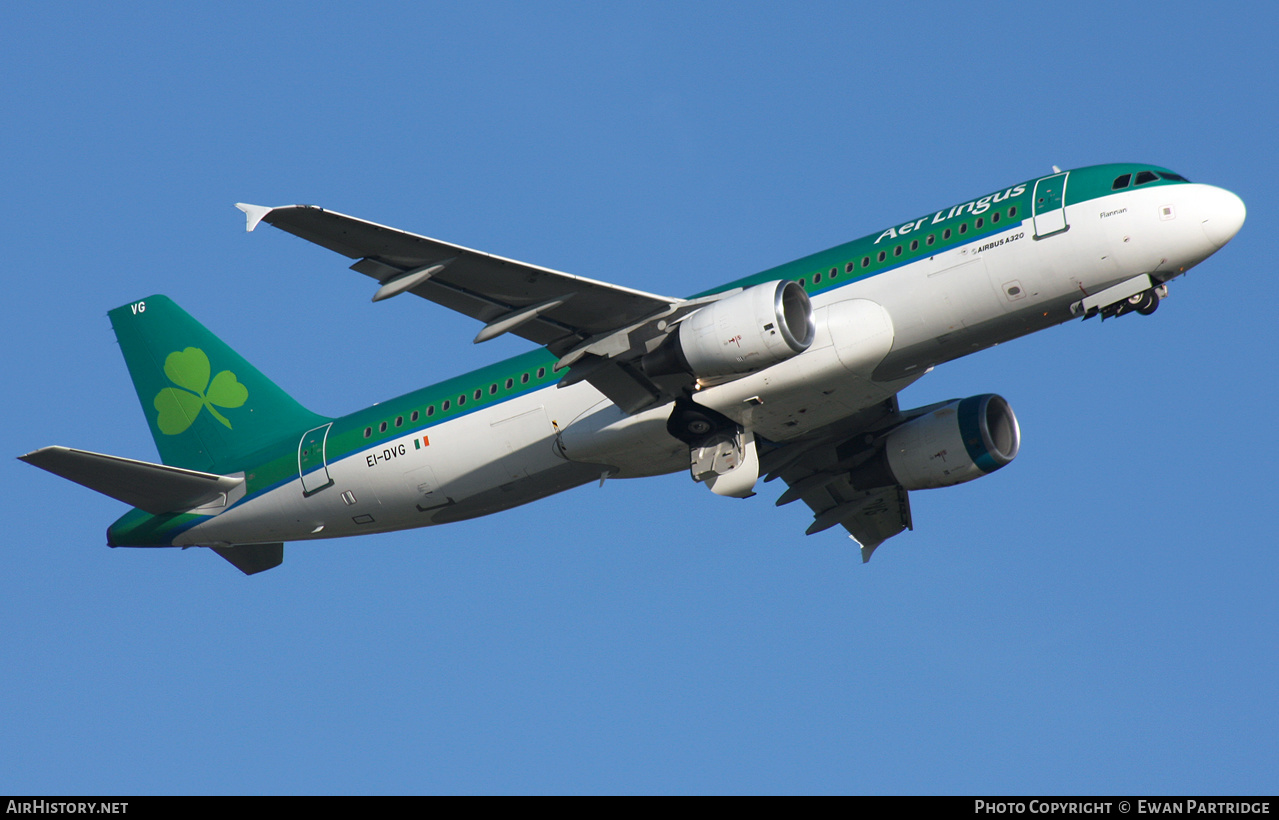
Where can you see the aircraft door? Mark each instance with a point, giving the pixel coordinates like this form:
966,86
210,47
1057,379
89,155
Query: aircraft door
1049,205
313,467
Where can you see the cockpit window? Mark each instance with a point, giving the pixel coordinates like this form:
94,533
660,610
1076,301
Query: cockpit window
1146,176
1171,177
1121,182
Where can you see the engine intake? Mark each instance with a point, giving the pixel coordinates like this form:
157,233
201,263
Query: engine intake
743,333
961,440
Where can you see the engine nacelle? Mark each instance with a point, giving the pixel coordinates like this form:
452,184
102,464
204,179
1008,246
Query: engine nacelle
743,333
962,440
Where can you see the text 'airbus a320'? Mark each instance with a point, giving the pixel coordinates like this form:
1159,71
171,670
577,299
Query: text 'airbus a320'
791,373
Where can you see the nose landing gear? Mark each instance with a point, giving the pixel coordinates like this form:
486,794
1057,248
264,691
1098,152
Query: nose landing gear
1145,302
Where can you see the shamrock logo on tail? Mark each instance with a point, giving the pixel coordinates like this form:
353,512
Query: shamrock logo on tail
189,369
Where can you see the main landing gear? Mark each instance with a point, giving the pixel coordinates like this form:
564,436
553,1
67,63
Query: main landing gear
721,453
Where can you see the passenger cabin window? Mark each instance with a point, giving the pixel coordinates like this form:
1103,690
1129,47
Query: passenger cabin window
1121,181
1146,176
368,431
430,411
510,383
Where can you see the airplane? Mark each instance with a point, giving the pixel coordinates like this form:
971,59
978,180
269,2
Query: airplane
790,373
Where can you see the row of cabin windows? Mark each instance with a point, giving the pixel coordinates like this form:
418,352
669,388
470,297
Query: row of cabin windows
1124,180
447,404
928,241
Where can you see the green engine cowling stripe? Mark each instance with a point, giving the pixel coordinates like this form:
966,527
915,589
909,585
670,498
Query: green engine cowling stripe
971,412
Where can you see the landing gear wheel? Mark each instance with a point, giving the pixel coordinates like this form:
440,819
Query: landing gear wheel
1145,303
696,424
693,424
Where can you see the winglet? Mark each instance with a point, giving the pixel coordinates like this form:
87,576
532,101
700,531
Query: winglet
865,550
253,214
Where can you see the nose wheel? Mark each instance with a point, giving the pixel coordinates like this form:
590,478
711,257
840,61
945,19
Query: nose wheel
1145,303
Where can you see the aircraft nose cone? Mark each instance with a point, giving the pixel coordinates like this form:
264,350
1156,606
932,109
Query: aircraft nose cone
1223,215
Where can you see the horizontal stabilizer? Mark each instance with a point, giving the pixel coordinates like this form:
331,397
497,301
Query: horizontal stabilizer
253,558
155,488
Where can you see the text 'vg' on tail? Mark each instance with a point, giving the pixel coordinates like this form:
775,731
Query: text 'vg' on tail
207,407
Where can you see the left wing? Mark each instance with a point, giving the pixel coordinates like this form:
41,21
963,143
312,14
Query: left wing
594,325
820,473
870,516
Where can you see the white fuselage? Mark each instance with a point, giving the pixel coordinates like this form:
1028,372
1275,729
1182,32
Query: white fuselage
874,336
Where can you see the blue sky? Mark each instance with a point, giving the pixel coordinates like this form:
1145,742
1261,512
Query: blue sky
1097,617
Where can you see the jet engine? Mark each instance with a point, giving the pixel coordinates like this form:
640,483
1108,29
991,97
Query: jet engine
961,440
743,333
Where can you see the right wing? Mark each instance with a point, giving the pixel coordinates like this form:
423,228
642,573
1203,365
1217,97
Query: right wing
594,327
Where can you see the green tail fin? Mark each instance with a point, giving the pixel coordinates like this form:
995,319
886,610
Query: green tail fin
207,407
